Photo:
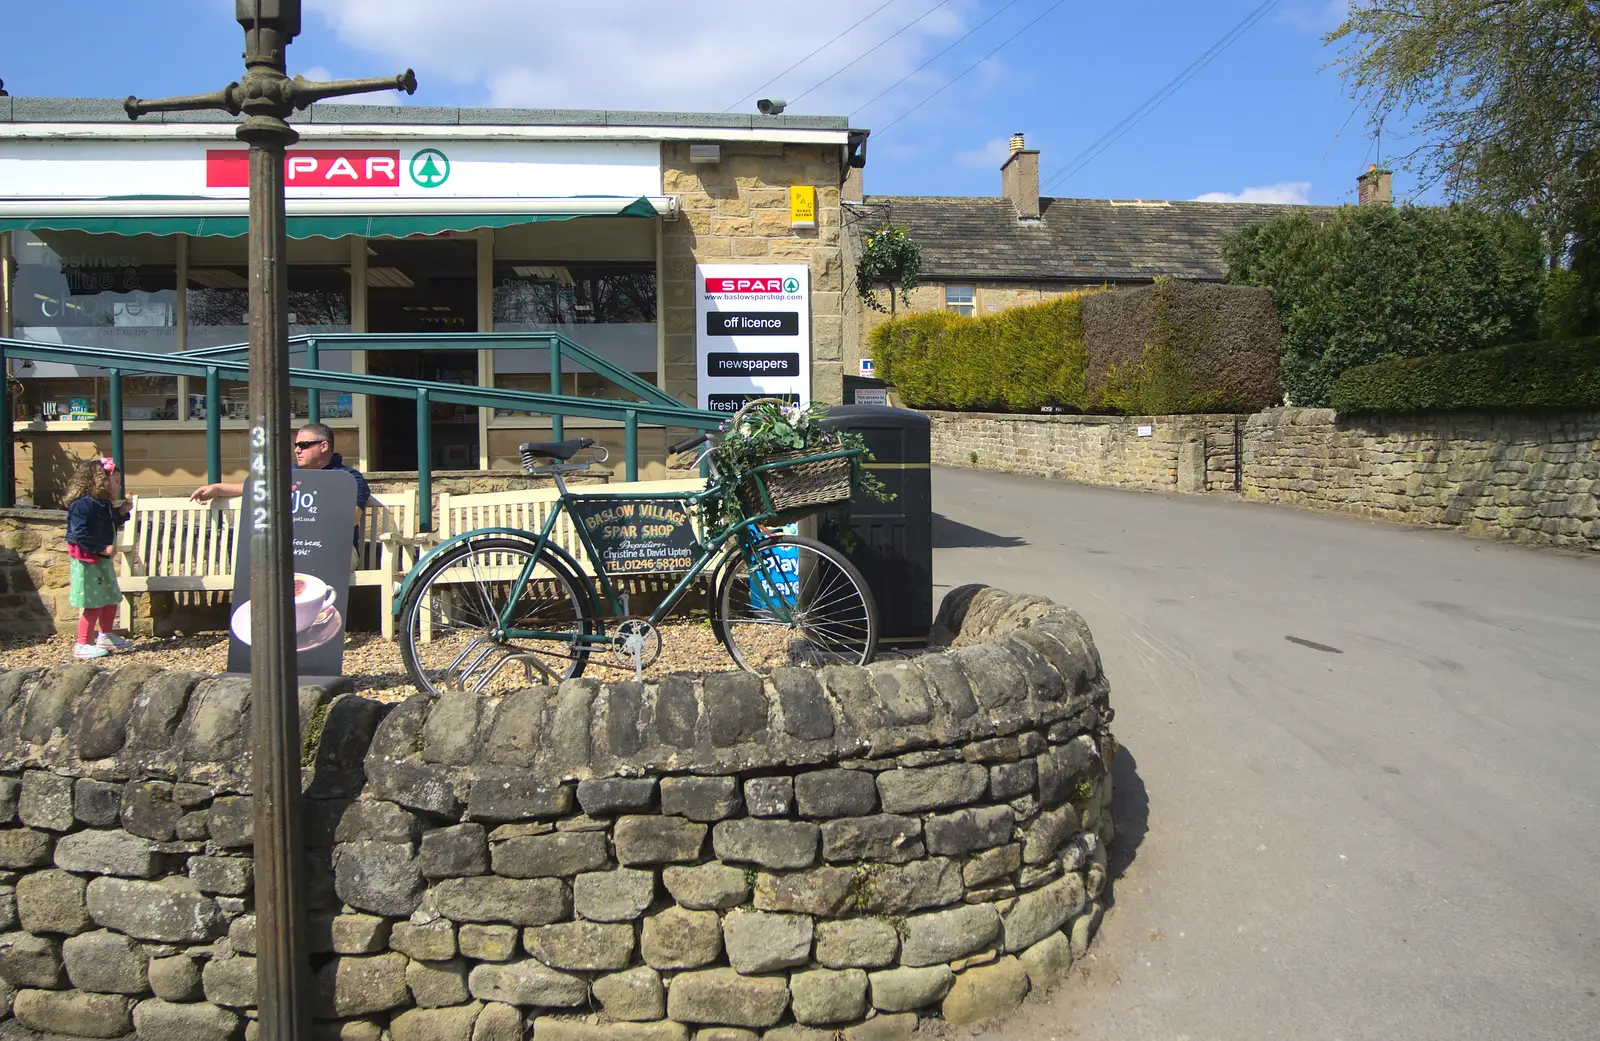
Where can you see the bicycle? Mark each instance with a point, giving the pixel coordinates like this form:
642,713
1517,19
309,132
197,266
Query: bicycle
498,598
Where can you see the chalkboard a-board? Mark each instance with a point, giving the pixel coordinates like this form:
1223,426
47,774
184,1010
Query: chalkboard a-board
634,536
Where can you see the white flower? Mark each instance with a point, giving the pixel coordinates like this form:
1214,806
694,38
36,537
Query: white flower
744,429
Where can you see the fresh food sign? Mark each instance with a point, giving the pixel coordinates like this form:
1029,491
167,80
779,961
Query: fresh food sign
752,333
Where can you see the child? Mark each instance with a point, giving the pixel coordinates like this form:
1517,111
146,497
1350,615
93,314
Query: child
92,523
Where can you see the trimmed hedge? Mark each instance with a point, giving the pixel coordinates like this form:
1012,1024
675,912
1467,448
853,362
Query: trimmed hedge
1367,284
1182,347
1021,360
1521,376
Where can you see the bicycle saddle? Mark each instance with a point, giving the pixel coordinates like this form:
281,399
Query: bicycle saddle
555,449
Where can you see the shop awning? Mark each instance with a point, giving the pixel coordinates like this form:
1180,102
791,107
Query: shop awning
312,218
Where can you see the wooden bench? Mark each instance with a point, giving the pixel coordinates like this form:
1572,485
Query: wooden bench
175,545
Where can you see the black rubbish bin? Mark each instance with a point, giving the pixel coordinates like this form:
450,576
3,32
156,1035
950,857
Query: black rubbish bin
894,539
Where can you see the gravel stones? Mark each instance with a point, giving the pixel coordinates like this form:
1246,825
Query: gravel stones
771,844
658,840
581,946
613,896
760,942
723,996
713,886
677,938
152,911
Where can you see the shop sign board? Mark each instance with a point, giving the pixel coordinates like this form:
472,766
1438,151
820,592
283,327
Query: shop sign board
634,536
752,333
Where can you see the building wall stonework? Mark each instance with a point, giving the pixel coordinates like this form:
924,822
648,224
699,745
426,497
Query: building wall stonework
802,854
737,212
1529,477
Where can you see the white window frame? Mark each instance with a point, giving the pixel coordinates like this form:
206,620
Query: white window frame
967,307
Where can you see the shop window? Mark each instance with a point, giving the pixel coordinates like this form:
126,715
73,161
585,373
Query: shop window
963,300
607,308
103,292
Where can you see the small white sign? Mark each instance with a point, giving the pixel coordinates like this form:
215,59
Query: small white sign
1146,431
867,367
872,396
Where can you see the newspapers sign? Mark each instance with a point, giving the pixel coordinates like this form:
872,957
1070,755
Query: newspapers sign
753,325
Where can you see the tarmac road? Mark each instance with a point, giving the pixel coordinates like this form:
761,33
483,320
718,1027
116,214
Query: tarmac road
1359,789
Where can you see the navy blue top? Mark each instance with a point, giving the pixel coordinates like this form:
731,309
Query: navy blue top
92,524
363,493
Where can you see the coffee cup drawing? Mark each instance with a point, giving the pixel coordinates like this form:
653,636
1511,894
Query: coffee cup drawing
312,596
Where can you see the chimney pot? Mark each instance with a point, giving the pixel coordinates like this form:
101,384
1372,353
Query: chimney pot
1016,143
1375,187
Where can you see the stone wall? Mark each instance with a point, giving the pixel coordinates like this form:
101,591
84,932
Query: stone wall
1180,453
1531,477
811,852
35,575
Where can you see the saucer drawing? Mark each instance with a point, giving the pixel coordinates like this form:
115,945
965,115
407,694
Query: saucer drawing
319,632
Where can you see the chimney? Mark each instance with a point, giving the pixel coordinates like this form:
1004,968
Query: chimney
1375,187
1019,179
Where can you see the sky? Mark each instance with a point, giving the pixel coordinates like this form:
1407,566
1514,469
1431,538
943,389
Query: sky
942,85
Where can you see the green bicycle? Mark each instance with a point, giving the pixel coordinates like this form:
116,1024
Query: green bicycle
497,609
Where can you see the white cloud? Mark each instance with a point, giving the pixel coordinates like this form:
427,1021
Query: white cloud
990,155
320,74
1293,192
1319,16
638,54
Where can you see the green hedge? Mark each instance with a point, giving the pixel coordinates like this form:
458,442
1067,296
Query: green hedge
1021,360
1368,284
1522,376
1182,347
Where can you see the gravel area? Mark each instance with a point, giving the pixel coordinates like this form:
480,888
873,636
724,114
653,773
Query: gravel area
374,665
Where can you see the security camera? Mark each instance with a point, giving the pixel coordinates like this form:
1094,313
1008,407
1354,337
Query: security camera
771,106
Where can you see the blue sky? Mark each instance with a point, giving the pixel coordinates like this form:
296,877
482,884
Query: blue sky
1263,119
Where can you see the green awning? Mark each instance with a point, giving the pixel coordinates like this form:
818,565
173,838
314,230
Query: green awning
312,225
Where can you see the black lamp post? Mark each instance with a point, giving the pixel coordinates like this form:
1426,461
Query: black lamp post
266,96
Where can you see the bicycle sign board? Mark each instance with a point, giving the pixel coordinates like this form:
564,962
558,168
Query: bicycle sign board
633,536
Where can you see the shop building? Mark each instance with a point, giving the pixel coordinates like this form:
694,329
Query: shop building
402,220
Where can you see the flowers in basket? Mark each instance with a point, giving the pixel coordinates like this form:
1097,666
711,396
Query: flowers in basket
769,430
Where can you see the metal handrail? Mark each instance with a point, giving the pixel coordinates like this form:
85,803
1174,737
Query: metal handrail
662,411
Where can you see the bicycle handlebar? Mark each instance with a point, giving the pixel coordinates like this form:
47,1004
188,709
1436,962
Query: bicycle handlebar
689,442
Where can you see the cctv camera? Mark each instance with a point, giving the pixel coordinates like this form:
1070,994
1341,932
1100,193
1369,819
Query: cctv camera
771,106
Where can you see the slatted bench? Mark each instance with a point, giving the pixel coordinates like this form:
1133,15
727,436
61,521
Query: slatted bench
176,545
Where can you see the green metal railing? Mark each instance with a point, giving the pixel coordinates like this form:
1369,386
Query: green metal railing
214,364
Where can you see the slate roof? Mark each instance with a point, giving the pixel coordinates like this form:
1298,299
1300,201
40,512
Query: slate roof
1075,240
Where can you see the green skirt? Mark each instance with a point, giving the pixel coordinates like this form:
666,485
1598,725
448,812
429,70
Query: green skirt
94,585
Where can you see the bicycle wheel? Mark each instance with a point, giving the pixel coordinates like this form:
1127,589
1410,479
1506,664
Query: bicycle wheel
789,600
451,620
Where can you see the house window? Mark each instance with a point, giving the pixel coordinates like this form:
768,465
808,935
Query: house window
962,300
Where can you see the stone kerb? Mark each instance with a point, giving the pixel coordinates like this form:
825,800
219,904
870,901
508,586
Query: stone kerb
846,849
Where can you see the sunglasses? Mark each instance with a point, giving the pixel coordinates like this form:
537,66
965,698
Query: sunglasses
307,445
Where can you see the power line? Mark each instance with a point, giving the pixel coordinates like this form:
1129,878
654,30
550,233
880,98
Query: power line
880,132
1132,119
936,57
869,50
807,58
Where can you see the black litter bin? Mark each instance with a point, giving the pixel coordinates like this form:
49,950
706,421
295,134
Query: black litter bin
894,539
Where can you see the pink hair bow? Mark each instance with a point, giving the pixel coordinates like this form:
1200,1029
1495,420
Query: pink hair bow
108,464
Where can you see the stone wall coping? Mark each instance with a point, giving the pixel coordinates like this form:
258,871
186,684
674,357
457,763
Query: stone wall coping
31,513
1085,420
1008,663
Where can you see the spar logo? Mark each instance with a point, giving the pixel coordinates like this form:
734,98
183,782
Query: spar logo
772,285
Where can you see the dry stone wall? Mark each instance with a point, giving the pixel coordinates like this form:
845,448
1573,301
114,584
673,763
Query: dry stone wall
719,855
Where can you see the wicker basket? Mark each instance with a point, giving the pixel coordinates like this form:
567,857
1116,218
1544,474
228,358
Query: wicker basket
797,488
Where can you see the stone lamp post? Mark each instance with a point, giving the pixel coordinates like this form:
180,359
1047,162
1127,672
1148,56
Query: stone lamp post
266,96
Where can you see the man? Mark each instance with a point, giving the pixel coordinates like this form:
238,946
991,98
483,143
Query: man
313,450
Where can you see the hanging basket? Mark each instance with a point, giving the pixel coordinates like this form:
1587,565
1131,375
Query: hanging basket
796,483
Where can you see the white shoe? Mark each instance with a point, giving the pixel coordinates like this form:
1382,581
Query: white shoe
113,642
88,650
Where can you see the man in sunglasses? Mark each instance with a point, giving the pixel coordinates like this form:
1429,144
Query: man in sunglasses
313,450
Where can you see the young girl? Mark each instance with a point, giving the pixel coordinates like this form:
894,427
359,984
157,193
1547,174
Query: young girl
92,523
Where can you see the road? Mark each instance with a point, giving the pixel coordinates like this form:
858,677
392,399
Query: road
1359,789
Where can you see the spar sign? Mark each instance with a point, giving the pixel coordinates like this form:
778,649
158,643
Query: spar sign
752,333
333,168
